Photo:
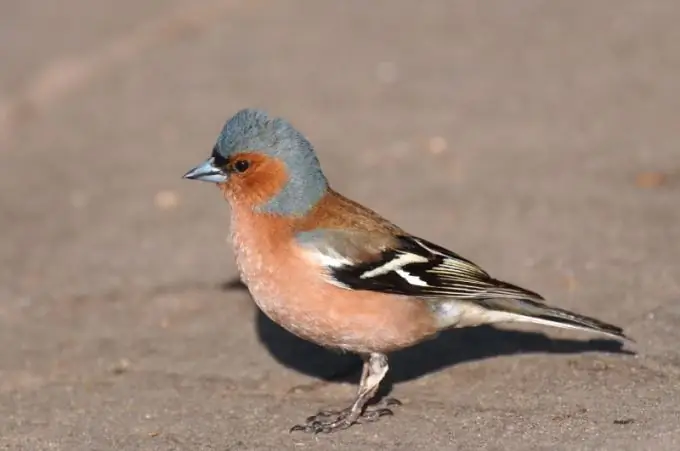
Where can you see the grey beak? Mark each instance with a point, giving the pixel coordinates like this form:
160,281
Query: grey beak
207,172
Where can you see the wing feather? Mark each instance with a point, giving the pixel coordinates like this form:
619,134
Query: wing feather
404,265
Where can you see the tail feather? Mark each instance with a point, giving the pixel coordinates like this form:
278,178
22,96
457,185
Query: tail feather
532,311
496,301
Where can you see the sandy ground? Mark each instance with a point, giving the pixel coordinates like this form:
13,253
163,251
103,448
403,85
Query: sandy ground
537,138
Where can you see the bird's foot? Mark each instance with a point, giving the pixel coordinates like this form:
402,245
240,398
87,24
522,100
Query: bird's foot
327,421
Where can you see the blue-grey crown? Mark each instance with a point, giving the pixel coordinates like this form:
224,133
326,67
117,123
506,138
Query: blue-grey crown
254,130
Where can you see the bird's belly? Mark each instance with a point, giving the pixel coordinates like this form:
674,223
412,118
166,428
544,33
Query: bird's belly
302,302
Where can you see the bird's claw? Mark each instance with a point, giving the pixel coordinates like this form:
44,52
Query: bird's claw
374,415
327,421
330,413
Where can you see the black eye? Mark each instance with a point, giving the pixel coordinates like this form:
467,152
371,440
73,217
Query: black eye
241,165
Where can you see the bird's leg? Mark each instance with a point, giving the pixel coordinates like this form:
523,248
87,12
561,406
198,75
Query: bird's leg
335,412
373,411
374,370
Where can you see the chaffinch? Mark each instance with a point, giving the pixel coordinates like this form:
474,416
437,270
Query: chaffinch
336,273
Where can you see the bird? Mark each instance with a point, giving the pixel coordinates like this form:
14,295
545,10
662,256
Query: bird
336,273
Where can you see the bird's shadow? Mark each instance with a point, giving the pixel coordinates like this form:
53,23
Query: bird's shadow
449,348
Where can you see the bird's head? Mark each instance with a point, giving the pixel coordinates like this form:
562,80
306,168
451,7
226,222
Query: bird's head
265,164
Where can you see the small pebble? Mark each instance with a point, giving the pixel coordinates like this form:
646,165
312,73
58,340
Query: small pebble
121,367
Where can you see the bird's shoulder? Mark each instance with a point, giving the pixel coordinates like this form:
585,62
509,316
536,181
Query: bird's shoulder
335,211
358,249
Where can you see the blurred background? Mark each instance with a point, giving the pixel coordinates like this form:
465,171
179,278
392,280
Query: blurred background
537,138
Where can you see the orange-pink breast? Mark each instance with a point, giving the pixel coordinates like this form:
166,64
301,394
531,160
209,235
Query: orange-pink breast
290,289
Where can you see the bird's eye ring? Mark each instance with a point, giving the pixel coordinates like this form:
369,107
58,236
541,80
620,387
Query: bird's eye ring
241,165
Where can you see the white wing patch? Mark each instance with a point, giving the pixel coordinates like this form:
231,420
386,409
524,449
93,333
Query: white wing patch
330,259
397,265
394,264
410,278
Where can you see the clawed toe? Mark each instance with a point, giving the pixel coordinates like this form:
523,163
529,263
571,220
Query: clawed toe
374,415
324,414
327,421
